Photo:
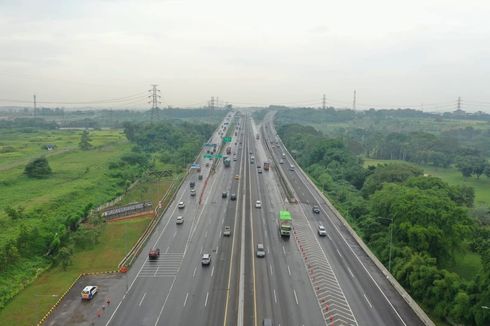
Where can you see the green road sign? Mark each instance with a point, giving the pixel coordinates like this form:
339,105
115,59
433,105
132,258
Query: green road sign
218,156
227,139
210,156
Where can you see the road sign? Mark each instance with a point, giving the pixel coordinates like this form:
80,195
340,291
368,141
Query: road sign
208,156
227,139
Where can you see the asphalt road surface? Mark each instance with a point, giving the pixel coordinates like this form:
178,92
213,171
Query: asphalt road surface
302,280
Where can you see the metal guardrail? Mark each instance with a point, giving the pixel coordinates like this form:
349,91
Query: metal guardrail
403,293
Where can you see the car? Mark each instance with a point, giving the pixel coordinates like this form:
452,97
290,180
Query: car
281,162
258,166
206,259
227,231
234,158
259,170
258,204
291,167
224,194
181,205
260,250
179,220
283,155
233,197
316,209
251,152
154,253
322,231
88,292
237,177
193,192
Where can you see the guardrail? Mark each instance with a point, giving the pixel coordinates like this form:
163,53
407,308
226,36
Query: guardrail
403,293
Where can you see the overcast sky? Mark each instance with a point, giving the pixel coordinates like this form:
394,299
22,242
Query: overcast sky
419,53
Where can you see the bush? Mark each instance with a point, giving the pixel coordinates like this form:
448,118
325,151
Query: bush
39,168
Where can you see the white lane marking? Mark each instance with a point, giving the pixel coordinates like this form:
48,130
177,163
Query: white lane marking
347,244
284,250
295,297
185,301
270,266
212,272
194,274
275,298
339,253
206,235
175,233
365,297
289,271
217,250
165,302
206,302
166,251
350,272
143,298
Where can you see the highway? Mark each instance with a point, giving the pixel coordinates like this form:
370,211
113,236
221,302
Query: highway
302,280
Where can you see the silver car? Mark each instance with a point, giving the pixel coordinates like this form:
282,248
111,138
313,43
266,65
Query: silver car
322,231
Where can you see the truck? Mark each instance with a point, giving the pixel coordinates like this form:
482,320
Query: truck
257,136
285,223
226,161
266,166
228,150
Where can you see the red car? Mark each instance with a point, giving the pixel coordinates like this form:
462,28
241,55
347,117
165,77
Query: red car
154,253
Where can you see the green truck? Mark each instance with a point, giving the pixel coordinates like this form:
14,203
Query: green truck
285,223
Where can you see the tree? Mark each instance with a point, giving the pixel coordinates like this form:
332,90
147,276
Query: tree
64,256
38,168
85,141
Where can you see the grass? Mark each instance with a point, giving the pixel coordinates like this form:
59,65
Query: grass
467,264
33,302
147,191
451,176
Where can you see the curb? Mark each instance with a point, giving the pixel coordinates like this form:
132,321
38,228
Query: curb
50,311
398,288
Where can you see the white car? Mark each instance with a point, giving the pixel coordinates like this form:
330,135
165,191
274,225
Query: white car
258,204
322,231
179,220
181,205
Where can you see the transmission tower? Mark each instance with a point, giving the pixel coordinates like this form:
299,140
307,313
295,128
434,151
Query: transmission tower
35,105
211,103
155,100
459,103
354,101
324,102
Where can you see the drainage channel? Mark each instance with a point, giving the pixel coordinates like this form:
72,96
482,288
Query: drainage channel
335,308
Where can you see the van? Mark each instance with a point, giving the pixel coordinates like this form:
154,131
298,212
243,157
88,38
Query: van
88,292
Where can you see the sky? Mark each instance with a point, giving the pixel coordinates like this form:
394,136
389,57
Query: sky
422,54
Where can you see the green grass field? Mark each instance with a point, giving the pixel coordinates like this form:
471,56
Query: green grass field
451,176
33,302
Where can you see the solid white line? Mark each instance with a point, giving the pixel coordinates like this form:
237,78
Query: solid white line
351,249
185,301
295,297
289,271
194,274
206,302
143,298
367,300
275,298
165,302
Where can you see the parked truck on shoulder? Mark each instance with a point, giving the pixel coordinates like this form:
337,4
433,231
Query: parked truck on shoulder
285,223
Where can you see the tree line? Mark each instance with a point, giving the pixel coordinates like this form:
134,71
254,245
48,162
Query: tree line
423,220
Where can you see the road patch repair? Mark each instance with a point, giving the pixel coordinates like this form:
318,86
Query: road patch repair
72,310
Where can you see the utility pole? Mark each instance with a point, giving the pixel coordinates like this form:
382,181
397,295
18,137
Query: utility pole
35,105
459,102
155,100
324,102
354,101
